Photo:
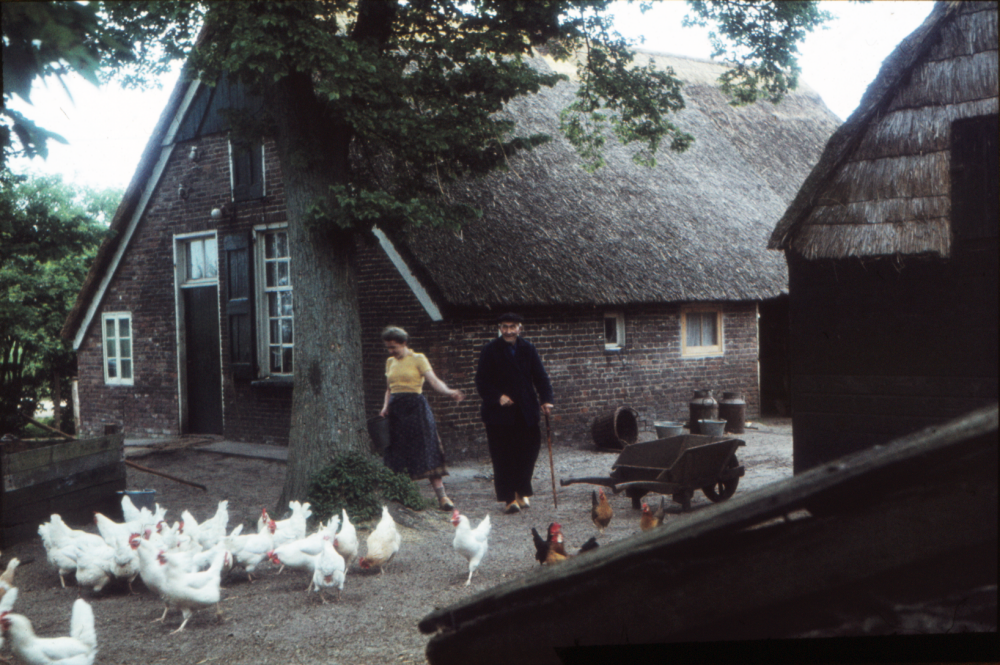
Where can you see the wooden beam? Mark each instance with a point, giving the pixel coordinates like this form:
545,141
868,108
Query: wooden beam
918,498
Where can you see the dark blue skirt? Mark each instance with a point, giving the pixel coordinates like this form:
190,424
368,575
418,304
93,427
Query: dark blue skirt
414,445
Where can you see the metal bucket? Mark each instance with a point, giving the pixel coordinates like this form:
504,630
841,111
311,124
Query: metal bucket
142,498
712,427
378,430
733,409
702,407
667,428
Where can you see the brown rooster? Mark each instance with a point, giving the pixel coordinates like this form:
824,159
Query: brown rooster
650,519
553,550
600,511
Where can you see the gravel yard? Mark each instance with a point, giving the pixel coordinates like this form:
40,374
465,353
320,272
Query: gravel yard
273,619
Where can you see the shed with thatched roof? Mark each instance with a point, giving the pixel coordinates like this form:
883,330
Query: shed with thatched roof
891,247
639,285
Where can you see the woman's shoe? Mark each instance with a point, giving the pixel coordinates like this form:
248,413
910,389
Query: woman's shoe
512,508
522,501
445,503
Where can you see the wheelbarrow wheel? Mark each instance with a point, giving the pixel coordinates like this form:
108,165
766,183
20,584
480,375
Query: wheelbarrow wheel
723,489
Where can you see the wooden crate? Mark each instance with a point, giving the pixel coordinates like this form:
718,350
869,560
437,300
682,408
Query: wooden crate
72,478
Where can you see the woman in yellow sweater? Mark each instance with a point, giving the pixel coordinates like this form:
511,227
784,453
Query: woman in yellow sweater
414,446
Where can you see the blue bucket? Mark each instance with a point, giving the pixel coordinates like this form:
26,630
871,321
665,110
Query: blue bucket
142,498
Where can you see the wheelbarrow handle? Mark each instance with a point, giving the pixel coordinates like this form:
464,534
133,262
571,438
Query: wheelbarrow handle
606,482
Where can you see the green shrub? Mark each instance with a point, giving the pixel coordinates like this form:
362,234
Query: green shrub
362,485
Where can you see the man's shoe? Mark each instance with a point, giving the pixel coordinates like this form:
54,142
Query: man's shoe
512,508
445,503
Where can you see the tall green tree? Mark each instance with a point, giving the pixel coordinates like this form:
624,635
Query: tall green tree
376,106
49,234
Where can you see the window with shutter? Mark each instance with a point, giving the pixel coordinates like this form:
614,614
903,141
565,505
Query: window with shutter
239,304
247,169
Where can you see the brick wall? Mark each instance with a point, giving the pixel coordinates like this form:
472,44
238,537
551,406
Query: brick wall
649,374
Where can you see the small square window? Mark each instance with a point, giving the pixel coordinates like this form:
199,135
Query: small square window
701,332
117,327
614,330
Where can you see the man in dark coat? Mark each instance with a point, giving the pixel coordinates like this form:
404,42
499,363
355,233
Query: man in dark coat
510,378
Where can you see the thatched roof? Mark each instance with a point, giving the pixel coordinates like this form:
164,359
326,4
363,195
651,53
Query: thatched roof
694,228
883,184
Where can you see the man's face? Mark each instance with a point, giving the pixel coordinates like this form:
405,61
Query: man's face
510,330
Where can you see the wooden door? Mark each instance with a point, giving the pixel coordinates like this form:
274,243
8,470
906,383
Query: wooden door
204,371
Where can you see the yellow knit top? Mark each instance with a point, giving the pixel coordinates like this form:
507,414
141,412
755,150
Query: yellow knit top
407,375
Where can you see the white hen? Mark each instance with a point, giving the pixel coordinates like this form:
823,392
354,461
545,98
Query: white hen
249,550
192,591
347,541
383,543
328,571
63,545
78,648
299,554
294,526
471,543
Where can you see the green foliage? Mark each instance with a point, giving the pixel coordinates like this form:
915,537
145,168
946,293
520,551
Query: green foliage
362,485
761,40
49,234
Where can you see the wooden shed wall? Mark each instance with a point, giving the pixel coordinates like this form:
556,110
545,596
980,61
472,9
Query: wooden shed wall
883,347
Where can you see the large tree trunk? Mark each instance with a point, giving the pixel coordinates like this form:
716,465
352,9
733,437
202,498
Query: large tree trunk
327,404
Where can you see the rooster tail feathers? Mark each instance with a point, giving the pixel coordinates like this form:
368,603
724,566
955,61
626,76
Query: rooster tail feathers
81,623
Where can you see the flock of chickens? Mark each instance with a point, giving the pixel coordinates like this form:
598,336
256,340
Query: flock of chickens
184,563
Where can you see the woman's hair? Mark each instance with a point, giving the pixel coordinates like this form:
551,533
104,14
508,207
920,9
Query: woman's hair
394,334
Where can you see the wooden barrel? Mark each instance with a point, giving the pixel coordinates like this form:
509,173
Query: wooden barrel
616,429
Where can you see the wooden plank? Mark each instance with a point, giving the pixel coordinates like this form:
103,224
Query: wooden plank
44,456
75,507
12,502
925,495
62,469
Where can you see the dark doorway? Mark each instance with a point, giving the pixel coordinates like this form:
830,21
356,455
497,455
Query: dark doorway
775,376
204,373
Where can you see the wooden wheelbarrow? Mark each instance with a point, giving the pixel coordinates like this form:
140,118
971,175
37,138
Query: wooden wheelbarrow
677,466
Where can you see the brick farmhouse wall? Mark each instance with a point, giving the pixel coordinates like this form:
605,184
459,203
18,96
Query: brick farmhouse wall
649,374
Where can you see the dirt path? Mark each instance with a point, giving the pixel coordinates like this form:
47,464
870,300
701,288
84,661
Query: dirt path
273,620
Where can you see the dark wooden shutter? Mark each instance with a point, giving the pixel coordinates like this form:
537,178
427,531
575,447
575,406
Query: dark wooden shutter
248,170
239,304
975,177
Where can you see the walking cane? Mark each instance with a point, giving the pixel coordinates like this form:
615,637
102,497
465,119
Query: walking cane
552,468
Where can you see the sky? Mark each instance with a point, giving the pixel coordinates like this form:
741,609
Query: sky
107,128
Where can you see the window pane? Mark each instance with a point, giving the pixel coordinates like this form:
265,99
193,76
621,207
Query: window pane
112,368
124,327
275,331
110,348
275,358
286,303
281,244
211,257
272,272
195,259
283,274
125,346
710,333
126,369
272,304
693,329
109,329
286,360
610,330
269,252
286,331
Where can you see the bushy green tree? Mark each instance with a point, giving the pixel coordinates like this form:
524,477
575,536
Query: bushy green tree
49,233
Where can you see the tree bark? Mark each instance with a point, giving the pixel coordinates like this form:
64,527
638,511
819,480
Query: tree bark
327,403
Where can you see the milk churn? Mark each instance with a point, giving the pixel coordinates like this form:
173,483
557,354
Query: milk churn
733,409
702,406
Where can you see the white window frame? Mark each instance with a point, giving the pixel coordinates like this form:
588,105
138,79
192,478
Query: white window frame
261,291
184,242
619,342
117,317
702,351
